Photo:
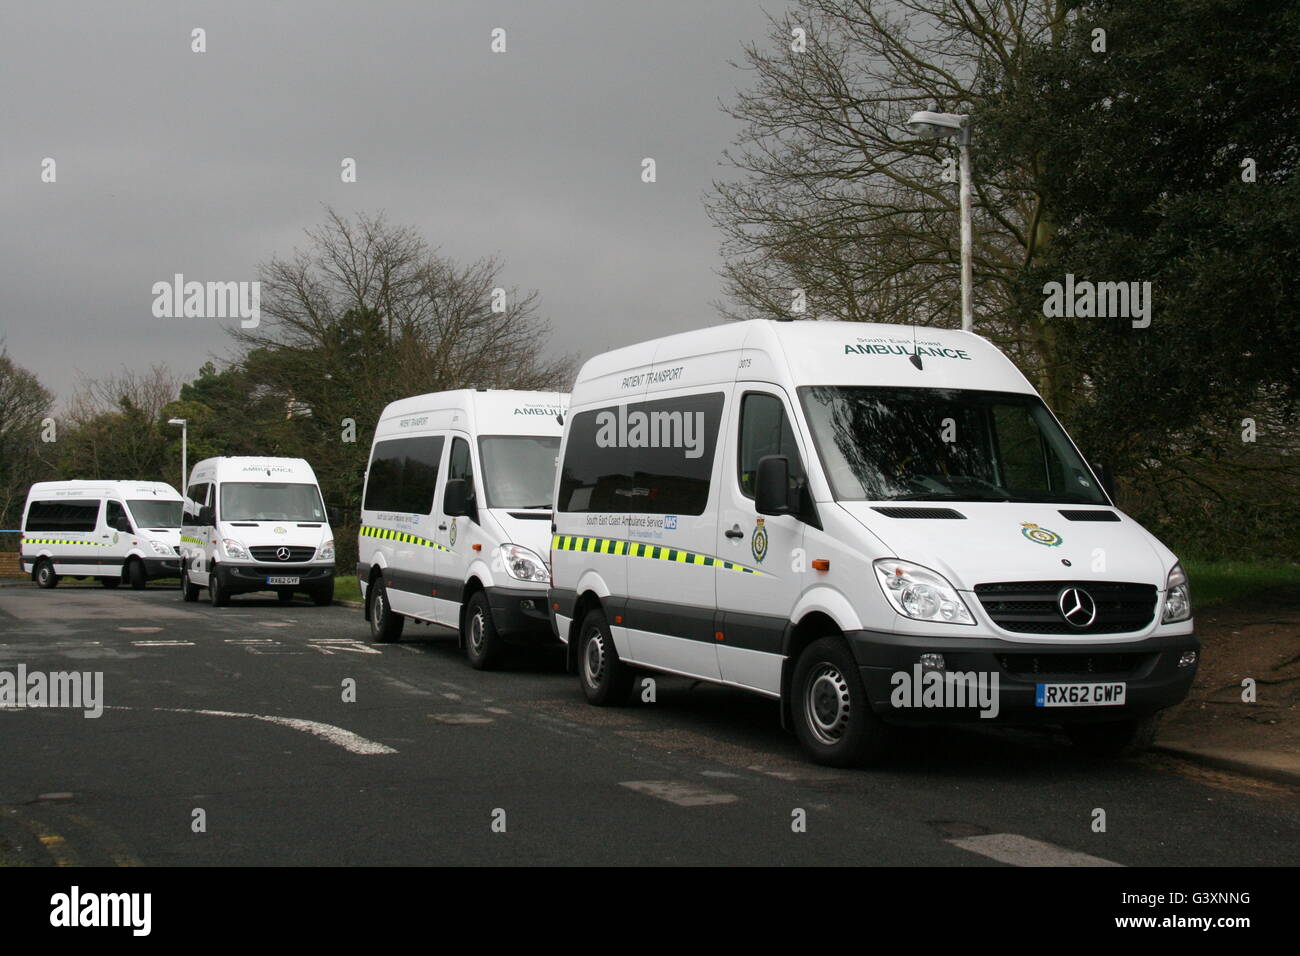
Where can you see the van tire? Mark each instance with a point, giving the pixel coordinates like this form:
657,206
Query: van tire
189,591
385,624
135,574
44,574
486,653
110,583
828,703
324,594
217,595
606,681
1120,738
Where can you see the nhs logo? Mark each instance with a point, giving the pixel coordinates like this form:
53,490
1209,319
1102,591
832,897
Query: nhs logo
670,522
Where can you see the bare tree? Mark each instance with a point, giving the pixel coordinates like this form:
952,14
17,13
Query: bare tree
834,196
24,404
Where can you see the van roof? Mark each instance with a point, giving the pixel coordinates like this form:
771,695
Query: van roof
102,488
476,411
231,467
805,352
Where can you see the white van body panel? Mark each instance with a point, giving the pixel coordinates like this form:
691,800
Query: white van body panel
431,559
714,604
306,537
103,550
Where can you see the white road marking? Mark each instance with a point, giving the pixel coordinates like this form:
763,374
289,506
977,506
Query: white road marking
274,624
330,645
681,793
162,643
250,640
461,718
451,696
496,710
353,743
1020,850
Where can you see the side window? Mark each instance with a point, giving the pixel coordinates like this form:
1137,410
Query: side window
195,498
460,465
116,518
765,430
62,516
648,458
403,474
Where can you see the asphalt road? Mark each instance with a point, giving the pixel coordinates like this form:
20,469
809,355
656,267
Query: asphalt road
432,753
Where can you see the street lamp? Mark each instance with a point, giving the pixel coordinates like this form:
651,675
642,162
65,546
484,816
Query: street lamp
184,446
928,125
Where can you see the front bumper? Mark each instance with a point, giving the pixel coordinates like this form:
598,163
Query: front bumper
520,613
238,578
1149,668
162,567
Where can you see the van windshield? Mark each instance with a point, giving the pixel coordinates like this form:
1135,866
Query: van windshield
519,470
270,501
932,444
156,513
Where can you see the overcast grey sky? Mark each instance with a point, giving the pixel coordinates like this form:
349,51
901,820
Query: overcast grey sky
207,164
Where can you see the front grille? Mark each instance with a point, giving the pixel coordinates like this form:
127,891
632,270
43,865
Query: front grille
1030,607
1073,665
269,553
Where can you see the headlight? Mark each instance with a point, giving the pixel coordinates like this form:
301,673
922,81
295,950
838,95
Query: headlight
326,551
522,564
920,594
234,549
1178,599
160,548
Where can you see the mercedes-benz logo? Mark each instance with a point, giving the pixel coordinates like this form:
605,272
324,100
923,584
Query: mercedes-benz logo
283,555
1077,607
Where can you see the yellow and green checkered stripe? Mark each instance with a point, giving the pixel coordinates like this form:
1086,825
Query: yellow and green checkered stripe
388,534
187,540
638,549
95,544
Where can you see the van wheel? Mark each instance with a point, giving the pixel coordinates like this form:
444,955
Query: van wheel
110,583
135,574
217,595
483,647
45,576
385,624
189,591
606,680
324,594
832,716
284,597
1121,738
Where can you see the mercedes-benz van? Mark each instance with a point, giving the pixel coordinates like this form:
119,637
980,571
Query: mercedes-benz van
873,524
456,517
256,524
109,530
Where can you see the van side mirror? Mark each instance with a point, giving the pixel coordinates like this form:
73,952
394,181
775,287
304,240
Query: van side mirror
1106,476
334,515
772,486
206,516
458,498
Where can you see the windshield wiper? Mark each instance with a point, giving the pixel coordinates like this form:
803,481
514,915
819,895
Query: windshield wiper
943,496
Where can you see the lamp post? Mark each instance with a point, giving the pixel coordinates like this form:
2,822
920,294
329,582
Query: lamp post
184,423
929,125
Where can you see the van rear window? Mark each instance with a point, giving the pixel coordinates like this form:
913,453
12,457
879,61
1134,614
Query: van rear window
403,473
644,458
62,516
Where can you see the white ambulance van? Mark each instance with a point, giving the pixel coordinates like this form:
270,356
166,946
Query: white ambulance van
110,530
874,524
256,524
456,517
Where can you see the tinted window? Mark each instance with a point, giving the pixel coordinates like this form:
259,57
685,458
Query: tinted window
115,517
195,499
62,516
648,457
765,430
403,473
519,471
